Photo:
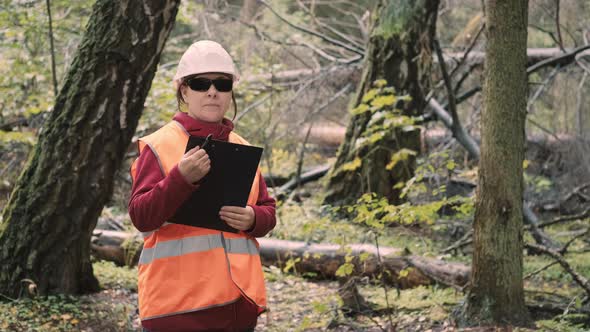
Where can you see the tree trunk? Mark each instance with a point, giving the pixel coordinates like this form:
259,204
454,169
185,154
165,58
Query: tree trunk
320,259
398,52
47,224
496,295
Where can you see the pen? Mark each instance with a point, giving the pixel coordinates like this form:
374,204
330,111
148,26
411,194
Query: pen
207,140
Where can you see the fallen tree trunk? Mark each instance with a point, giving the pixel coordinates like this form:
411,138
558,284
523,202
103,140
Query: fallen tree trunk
297,75
319,260
534,56
309,176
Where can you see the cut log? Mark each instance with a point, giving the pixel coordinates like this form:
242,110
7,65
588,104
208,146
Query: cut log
319,260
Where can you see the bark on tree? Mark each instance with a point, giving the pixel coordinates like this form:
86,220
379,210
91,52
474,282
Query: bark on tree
496,294
47,224
320,259
399,51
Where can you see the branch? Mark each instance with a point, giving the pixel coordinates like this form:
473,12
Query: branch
301,155
54,74
542,87
329,57
580,280
579,216
473,42
582,65
539,270
563,60
470,93
579,234
306,177
251,107
456,125
557,25
462,137
464,76
550,33
314,33
534,55
463,241
577,192
320,108
473,149
329,27
291,75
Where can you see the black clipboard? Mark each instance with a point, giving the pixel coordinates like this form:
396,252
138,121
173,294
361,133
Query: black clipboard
229,181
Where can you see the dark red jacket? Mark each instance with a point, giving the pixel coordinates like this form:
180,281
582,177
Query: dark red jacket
155,198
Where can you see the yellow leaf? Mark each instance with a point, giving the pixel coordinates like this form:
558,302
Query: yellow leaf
380,83
451,165
369,95
352,165
525,164
74,321
401,155
66,316
362,108
382,101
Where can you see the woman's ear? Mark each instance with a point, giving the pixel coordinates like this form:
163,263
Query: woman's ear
183,91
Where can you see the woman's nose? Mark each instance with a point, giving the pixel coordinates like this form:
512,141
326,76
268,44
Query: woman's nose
212,91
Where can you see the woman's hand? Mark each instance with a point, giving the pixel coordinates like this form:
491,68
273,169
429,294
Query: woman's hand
240,218
194,165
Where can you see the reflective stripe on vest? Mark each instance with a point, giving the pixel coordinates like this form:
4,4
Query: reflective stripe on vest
183,268
195,244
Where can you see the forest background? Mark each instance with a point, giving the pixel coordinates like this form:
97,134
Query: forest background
296,99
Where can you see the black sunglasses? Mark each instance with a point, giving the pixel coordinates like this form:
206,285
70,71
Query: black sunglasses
203,84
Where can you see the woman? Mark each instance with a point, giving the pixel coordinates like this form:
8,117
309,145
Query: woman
192,278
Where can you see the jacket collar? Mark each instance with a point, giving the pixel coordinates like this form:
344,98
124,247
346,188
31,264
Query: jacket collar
220,131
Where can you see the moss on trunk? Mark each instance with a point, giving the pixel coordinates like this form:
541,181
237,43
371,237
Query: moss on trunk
399,52
47,224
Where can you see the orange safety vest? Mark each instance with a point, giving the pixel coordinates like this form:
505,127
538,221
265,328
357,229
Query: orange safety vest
184,268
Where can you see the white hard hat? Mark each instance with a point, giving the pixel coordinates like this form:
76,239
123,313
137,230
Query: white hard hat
205,56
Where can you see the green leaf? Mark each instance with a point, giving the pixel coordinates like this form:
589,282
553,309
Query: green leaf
364,256
404,273
290,264
451,165
319,307
345,270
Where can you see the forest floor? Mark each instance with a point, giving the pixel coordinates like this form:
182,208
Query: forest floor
298,303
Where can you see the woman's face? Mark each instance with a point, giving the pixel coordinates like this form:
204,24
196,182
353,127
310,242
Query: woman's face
210,105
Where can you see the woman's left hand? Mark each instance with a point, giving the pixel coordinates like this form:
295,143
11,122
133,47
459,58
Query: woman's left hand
240,218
